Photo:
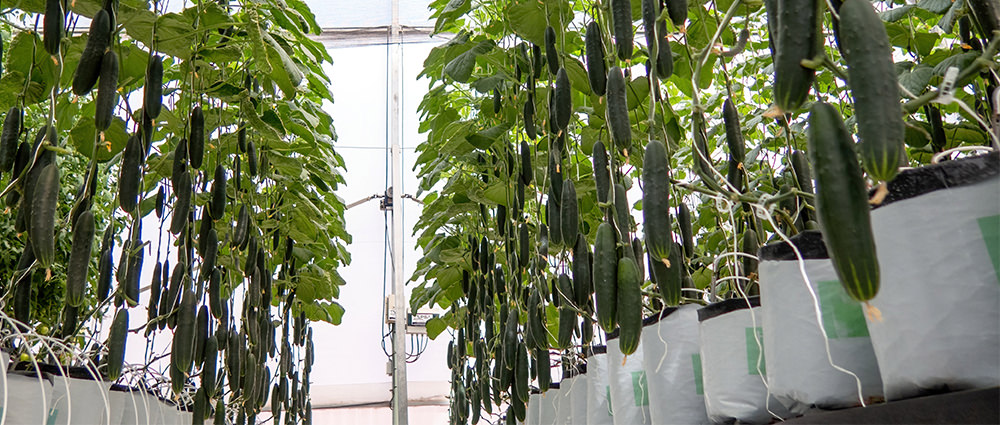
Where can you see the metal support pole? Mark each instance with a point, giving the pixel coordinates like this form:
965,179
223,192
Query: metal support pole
399,394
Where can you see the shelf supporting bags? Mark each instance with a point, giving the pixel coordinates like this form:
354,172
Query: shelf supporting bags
672,361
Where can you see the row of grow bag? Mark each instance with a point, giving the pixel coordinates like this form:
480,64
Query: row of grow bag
802,348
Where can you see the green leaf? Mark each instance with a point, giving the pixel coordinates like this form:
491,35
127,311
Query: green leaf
896,13
936,6
82,138
484,139
577,75
527,19
435,326
916,79
460,68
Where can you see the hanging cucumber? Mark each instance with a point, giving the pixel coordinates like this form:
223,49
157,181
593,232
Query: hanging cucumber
656,201
606,277
52,26
872,80
567,316
669,280
41,229
116,344
89,66
153,89
678,12
617,110
664,55
621,17
650,11
130,174
797,38
8,138
569,212
563,100
596,72
842,201
107,91
196,141
629,305
602,178
734,133
582,280
687,234
79,259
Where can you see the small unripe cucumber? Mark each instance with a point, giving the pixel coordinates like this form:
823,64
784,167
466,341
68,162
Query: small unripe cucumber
602,177
8,139
551,53
52,26
41,230
218,206
130,175
153,89
621,17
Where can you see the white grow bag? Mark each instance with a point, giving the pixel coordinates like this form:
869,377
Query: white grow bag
939,256
733,367
533,408
79,401
629,387
798,371
28,397
672,360
578,398
598,389
548,405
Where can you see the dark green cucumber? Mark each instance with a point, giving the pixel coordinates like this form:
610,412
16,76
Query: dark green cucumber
551,52
161,199
252,158
41,228
527,169
569,211
563,100
529,117
617,110
803,176
218,206
629,305
8,138
536,333
656,201
182,205
52,26
107,92
497,102
678,12
510,338
622,216
544,369
153,89
842,201
797,38
734,133
79,259
621,17
567,316
596,70
241,230
555,226
130,174
182,349
702,156
606,277
664,54
602,177
536,62
938,138
872,80
669,280
523,242
650,11
687,235
582,280
89,67
155,290
750,247
116,344
196,141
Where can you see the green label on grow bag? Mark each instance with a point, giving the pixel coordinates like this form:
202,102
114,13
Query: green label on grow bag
699,387
842,315
990,227
639,388
755,356
607,388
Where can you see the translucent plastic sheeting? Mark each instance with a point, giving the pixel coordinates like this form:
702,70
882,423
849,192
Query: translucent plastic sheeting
934,323
598,391
798,369
672,361
733,369
629,387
